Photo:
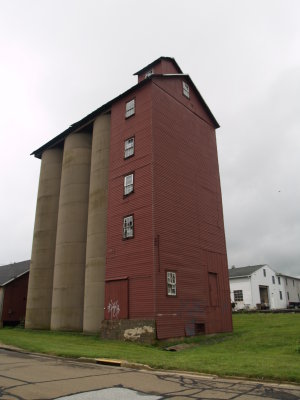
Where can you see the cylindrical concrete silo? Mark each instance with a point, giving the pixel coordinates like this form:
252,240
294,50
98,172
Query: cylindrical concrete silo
39,298
69,269
96,232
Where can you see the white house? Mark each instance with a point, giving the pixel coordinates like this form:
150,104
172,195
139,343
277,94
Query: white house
259,286
291,288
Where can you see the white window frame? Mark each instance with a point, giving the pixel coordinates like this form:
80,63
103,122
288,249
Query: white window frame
265,272
128,227
238,295
171,283
149,73
129,147
273,279
128,184
185,89
130,108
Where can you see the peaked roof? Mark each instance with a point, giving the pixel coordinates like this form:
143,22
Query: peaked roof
171,59
11,272
244,271
105,108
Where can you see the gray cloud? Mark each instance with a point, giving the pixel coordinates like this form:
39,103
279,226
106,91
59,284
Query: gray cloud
63,59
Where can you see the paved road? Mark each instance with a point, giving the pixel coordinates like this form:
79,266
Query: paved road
27,376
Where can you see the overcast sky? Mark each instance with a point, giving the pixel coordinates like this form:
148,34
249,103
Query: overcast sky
61,59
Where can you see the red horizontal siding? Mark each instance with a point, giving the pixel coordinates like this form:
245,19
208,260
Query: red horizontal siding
14,303
187,213
132,257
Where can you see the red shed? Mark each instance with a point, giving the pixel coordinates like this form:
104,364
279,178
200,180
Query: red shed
13,292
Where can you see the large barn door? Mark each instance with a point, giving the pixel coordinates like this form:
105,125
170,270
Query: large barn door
116,299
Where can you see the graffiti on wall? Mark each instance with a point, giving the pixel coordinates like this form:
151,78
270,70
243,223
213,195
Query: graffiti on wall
113,309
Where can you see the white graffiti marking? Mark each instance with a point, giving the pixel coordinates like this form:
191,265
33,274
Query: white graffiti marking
114,309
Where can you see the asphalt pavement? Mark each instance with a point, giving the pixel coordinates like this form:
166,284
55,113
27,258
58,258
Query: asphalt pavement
25,376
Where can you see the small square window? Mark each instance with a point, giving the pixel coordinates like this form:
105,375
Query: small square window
265,272
129,147
171,283
128,184
128,227
130,108
149,73
273,280
186,89
238,295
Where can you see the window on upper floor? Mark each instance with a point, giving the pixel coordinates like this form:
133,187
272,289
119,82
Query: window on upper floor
238,295
171,283
186,89
273,280
130,108
149,73
129,147
279,281
280,295
128,227
286,281
128,184
293,282
265,272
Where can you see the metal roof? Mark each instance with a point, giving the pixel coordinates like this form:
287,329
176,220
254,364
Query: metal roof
171,59
244,271
87,120
13,271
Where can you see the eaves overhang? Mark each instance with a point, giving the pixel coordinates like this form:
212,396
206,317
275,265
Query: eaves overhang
14,278
105,108
149,66
191,83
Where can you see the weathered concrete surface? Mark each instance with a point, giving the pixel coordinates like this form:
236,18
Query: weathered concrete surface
32,377
134,330
69,268
38,312
96,229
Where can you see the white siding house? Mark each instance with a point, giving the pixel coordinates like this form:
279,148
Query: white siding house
259,286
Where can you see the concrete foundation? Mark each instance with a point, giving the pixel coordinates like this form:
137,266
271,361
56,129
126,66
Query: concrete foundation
134,330
70,254
96,230
38,312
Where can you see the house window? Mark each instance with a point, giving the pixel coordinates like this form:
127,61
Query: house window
265,272
186,90
128,227
171,283
129,147
128,184
279,281
149,73
273,279
280,295
130,108
238,295
286,281
293,282
288,295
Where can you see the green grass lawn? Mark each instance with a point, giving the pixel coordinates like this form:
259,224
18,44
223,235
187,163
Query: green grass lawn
265,346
